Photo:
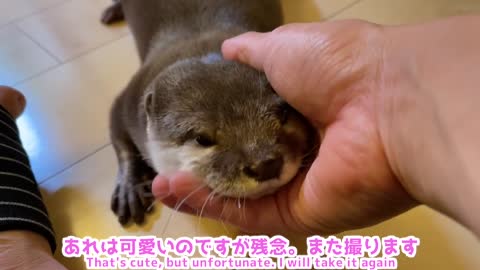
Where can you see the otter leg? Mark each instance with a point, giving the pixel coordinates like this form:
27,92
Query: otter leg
132,197
113,13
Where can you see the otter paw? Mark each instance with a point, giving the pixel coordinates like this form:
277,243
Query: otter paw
132,202
113,14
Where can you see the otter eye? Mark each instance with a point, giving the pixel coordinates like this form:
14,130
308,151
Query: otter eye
284,116
284,113
204,141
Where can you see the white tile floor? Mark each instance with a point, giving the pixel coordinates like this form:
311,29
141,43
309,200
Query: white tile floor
70,67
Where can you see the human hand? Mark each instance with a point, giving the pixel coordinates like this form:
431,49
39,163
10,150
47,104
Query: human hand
333,74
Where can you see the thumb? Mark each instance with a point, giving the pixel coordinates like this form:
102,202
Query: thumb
296,59
249,48
315,67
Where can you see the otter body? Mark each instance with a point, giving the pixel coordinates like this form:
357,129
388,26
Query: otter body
187,108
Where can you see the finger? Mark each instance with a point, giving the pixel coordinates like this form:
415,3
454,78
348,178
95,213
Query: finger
336,175
249,48
172,202
161,187
350,175
262,215
161,192
316,67
291,57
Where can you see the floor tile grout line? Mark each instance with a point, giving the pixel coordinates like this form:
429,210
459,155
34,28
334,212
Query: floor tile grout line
34,13
101,148
16,84
62,63
334,14
93,49
38,44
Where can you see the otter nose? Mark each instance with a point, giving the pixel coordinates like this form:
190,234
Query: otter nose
265,170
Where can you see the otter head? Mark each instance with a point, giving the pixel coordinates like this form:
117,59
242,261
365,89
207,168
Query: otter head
223,121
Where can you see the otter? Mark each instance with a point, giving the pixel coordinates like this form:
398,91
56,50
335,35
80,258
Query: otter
189,109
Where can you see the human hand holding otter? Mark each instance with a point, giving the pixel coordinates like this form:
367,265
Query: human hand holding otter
396,107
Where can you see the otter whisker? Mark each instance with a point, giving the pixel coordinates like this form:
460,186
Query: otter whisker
224,226
149,208
306,160
178,205
209,198
188,196
312,150
223,208
238,203
244,215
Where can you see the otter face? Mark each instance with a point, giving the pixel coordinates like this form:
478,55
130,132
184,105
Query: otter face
223,121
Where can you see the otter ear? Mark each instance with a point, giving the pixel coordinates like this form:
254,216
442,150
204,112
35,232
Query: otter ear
149,104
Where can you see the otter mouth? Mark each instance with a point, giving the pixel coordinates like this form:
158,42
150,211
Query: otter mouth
253,187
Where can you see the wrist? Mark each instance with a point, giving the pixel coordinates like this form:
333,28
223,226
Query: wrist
425,105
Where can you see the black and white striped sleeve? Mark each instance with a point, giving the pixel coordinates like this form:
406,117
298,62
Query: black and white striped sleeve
21,204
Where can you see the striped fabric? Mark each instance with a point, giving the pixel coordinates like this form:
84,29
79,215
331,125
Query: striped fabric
21,204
